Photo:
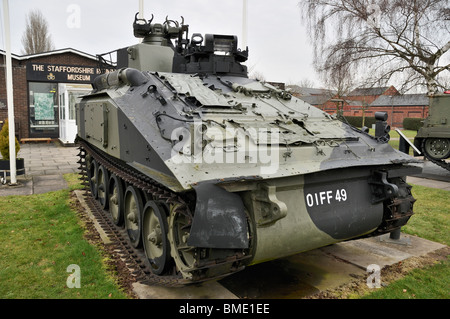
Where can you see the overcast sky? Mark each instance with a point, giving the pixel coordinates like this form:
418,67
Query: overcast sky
277,40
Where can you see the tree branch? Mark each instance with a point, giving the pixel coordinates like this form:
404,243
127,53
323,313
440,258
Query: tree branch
406,34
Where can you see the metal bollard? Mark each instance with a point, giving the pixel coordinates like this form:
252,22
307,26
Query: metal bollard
403,145
395,234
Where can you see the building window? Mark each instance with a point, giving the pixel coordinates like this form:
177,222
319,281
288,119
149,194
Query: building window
43,108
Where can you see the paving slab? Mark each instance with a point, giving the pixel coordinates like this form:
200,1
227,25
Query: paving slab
416,246
34,184
329,267
42,159
445,185
364,252
23,187
208,290
434,172
48,183
293,277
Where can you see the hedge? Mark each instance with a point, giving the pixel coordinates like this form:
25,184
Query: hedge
413,124
357,121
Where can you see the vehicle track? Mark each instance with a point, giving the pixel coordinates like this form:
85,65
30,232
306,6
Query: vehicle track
136,259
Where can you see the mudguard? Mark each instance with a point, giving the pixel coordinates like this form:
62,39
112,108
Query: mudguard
219,219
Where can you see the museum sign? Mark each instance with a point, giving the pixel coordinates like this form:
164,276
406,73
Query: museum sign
45,72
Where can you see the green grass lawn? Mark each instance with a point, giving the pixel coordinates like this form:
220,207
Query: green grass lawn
431,219
393,133
40,237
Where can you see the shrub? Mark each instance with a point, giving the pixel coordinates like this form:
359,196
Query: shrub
4,142
413,124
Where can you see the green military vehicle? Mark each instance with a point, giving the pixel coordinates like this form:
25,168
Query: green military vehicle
433,138
210,171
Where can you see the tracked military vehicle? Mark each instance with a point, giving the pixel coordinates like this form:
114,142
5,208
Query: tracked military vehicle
433,138
210,171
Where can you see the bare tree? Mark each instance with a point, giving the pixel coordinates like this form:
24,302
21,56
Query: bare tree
256,75
305,83
381,40
36,38
338,77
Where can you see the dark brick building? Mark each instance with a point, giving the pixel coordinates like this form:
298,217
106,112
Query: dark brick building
367,101
46,88
400,107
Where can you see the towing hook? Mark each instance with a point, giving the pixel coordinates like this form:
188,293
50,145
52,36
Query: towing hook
381,188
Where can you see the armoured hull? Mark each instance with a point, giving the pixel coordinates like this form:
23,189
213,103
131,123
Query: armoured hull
211,171
254,155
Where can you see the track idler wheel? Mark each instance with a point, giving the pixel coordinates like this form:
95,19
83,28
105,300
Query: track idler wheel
185,256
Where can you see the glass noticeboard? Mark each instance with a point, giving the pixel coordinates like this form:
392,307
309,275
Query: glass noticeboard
43,106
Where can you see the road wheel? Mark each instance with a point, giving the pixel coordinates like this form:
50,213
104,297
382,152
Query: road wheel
437,148
154,236
115,199
102,188
133,215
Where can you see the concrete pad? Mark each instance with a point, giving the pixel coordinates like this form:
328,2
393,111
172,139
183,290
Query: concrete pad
325,271
364,252
428,183
53,171
434,171
23,187
328,267
417,246
46,179
34,164
293,277
48,183
34,172
207,290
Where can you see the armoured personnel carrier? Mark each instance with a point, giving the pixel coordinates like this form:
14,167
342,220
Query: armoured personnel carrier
433,138
210,171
